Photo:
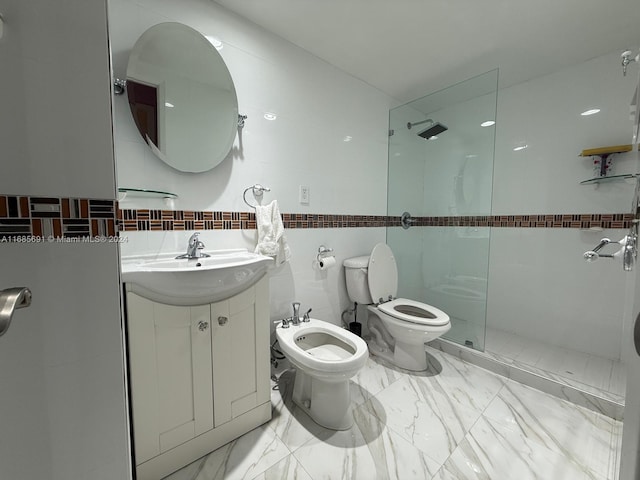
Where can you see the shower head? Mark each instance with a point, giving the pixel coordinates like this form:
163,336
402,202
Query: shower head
432,130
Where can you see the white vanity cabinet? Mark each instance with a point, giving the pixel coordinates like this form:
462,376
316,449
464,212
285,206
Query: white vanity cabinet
199,376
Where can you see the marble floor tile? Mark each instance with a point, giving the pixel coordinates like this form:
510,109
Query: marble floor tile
243,458
580,435
289,422
432,422
466,384
493,451
286,469
456,421
369,450
598,375
372,379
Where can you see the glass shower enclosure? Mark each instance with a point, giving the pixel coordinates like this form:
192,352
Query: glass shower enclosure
445,183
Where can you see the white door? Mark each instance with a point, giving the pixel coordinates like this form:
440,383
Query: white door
62,396
630,456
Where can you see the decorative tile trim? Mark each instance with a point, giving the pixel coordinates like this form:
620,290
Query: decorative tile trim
140,220
27,219
582,221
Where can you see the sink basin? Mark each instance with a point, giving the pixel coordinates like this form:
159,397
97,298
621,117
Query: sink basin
166,279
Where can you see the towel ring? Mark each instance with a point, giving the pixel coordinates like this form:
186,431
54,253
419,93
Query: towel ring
258,190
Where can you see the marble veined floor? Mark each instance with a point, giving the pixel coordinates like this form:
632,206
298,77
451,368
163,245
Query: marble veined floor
590,373
454,422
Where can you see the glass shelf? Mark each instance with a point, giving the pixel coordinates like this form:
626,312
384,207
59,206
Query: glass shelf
610,178
144,193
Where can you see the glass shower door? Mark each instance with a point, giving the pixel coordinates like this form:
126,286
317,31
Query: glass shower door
446,182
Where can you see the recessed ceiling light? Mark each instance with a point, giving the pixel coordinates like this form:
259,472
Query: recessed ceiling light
168,105
348,138
593,111
521,147
270,116
473,155
435,137
488,123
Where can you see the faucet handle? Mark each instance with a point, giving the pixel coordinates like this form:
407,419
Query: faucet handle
284,324
305,317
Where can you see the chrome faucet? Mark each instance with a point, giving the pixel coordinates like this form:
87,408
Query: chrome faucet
194,248
296,313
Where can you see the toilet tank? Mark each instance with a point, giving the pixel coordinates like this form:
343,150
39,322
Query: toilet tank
356,270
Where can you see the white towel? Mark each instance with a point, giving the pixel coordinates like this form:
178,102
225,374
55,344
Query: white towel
271,239
635,114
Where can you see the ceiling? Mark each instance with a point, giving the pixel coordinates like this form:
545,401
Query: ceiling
409,48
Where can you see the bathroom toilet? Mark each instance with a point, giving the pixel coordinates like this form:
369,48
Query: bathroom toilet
399,327
326,357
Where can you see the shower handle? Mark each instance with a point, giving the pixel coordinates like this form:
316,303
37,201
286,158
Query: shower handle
406,221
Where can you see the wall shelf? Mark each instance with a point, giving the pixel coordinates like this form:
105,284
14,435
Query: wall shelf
143,193
610,178
603,163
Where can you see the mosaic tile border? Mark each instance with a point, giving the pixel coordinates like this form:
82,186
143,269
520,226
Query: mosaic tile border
156,220
140,220
40,219
582,221
29,218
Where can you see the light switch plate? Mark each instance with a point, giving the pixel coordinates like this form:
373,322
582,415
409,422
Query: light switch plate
304,195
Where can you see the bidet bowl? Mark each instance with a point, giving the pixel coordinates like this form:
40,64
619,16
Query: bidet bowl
198,281
323,350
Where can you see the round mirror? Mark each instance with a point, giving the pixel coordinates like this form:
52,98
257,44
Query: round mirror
182,97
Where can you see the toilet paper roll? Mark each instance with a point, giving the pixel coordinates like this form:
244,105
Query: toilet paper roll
327,262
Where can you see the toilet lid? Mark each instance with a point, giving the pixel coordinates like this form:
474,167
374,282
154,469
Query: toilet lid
414,312
383,273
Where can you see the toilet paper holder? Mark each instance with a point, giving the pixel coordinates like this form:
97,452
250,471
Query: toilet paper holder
323,252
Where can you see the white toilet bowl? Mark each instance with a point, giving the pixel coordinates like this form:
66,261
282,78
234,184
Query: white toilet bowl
400,327
326,357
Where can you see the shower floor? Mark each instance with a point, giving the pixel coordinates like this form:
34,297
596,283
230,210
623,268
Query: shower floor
590,373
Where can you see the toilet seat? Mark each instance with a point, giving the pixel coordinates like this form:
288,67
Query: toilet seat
414,312
383,286
382,274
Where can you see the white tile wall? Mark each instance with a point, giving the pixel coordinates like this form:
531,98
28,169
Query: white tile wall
539,285
544,113
317,107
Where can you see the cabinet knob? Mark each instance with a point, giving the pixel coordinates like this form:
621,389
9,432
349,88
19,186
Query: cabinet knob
202,326
222,320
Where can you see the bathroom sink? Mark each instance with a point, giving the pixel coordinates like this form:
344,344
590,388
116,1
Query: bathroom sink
166,279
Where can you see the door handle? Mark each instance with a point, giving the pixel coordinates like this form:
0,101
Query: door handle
12,299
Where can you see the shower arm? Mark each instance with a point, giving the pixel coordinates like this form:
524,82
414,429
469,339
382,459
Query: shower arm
409,124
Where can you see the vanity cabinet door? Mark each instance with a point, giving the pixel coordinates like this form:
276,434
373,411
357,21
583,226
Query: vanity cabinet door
171,374
240,333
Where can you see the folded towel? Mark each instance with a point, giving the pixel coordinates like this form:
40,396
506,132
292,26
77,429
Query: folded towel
635,113
271,239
